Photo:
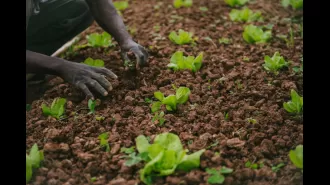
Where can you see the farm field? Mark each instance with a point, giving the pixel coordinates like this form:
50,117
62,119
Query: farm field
229,108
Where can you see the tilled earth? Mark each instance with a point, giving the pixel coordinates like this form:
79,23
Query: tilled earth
226,83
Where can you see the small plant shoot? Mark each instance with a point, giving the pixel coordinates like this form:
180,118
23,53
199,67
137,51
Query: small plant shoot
296,156
245,15
234,3
182,38
91,106
99,40
164,156
182,3
275,63
127,150
254,166
277,167
171,101
159,118
95,63
104,141
294,106
33,161
295,4
180,62
56,110
255,35
217,176
120,5
224,40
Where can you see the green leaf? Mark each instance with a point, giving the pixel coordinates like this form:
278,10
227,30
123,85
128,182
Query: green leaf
28,168
35,156
156,106
142,144
177,57
99,40
248,164
182,38
253,34
127,150
169,141
120,5
170,102
91,105
198,61
191,161
203,9
148,168
132,160
95,63
233,3
225,170
245,15
182,95
216,179
104,141
159,95
296,156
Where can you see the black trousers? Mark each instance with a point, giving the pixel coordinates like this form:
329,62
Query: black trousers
57,23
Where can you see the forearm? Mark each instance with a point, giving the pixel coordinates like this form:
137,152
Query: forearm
107,17
42,64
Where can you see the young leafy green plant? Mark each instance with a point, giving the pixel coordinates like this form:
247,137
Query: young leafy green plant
182,38
275,63
248,164
120,5
96,63
295,4
91,106
104,141
171,101
33,161
216,176
99,40
245,15
296,156
224,40
127,150
164,156
56,110
159,117
295,105
277,167
182,3
233,3
180,62
253,34
203,9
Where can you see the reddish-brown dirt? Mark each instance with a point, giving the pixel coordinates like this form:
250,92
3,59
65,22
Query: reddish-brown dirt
71,146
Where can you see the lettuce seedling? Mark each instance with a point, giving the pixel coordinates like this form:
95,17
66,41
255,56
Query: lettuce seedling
182,38
216,176
296,103
120,5
127,150
275,63
295,4
56,110
182,3
224,40
96,63
203,9
99,40
296,156
104,141
245,15
159,117
33,161
171,101
91,106
164,156
233,3
180,62
277,167
248,164
253,34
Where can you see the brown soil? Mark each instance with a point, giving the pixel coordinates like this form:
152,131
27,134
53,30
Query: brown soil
71,146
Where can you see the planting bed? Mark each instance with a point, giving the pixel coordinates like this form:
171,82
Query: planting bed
226,83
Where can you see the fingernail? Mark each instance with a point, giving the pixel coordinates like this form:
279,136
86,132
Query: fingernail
105,93
110,88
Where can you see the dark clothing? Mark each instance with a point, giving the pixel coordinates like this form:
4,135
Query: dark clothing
52,23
